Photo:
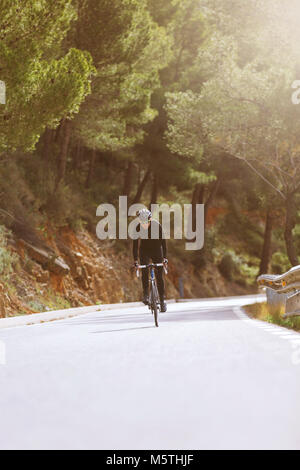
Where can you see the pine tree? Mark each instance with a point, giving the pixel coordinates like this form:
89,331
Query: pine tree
42,86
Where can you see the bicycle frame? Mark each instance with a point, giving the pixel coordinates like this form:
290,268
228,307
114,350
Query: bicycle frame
154,303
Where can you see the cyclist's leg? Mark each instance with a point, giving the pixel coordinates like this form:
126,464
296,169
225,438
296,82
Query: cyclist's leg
144,259
157,258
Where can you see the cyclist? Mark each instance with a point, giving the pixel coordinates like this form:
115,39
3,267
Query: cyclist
147,248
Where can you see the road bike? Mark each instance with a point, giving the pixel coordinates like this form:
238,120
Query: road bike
154,301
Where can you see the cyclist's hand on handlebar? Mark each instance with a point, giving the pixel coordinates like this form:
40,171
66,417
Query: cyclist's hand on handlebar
136,264
166,261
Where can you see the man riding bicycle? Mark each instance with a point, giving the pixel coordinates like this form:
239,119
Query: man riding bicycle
151,245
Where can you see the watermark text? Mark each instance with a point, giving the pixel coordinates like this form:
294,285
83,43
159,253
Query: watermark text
184,221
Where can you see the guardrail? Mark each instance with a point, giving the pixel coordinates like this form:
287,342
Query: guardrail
283,290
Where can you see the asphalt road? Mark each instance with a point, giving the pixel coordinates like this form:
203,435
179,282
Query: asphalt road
207,378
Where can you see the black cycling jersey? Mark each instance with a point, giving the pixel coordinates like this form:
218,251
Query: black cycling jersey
155,246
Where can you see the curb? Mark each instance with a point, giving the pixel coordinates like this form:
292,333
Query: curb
258,297
37,318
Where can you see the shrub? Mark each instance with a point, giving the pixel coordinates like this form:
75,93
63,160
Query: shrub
227,266
280,263
264,312
239,268
7,259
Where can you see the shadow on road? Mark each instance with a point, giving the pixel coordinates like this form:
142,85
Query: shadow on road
124,329
168,317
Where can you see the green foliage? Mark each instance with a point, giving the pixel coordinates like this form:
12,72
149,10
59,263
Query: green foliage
48,301
42,86
128,49
64,206
262,312
188,29
29,197
244,105
237,225
227,266
239,268
19,208
201,258
185,26
280,262
184,128
193,90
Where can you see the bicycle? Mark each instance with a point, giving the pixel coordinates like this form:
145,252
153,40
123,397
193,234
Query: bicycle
154,302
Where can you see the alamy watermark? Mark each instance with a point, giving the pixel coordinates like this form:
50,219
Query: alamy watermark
296,94
188,222
2,92
2,353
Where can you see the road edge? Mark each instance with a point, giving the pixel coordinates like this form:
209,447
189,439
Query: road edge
36,318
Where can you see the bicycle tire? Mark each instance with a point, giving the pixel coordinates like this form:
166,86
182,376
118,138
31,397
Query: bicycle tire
154,304
155,313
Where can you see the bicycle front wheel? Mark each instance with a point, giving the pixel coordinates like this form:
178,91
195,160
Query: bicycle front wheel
155,313
154,307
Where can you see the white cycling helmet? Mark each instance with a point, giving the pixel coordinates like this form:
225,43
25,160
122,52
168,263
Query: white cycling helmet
144,215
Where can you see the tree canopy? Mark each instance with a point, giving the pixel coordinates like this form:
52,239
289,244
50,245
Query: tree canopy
160,100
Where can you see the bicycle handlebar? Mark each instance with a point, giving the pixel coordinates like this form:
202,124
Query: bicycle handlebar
155,265
143,266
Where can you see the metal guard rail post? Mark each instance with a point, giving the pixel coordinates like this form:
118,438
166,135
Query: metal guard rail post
283,289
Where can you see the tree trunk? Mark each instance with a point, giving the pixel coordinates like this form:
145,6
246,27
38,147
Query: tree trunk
48,137
76,157
128,179
141,187
290,223
138,178
267,246
194,202
201,194
154,191
62,163
91,169
211,196
58,130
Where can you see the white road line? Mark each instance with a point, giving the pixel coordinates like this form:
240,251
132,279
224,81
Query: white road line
263,327
286,336
277,332
280,331
292,338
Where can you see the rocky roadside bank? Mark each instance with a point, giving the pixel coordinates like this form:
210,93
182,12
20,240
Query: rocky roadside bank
72,270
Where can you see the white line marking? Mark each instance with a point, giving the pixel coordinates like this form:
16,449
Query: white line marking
294,338
276,332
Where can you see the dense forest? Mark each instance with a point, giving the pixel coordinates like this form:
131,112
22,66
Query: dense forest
164,101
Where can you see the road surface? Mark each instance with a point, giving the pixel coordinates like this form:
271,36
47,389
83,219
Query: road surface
207,378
